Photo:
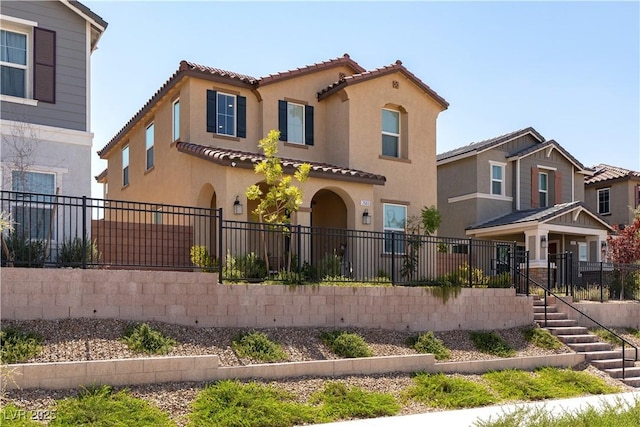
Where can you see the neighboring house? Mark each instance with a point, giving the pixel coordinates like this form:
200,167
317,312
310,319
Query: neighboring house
521,188
45,93
368,135
614,193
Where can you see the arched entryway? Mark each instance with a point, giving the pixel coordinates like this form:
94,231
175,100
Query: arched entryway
205,227
329,241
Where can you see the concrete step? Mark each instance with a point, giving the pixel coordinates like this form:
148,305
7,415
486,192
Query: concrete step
611,354
589,347
604,364
550,316
632,372
557,322
578,338
633,382
568,330
540,308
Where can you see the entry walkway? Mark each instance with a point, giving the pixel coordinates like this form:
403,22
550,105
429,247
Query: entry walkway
468,417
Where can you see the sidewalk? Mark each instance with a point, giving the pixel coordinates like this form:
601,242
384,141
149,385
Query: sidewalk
468,417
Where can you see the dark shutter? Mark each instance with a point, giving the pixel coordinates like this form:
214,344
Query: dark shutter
282,119
241,120
211,111
44,68
308,125
558,187
535,195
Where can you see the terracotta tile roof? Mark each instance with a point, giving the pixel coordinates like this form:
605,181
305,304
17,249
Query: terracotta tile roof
186,65
102,176
476,147
247,160
367,75
606,172
343,60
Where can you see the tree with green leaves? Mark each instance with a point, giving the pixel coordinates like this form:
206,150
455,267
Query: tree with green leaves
281,198
428,222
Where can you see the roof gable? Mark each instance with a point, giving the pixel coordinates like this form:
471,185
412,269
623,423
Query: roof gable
476,148
550,145
378,72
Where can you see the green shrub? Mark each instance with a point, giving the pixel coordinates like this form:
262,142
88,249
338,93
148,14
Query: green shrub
330,266
461,276
428,343
249,266
70,253
232,404
606,336
21,251
200,257
441,391
258,346
541,338
345,344
492,343
503,280
633,331
337,401
99,406
142,338
17,346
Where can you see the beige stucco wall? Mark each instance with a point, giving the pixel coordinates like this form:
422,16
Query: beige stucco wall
347,133
196,299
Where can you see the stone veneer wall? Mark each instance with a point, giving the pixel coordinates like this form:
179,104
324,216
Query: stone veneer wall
196,299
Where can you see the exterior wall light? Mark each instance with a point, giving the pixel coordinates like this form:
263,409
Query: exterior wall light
543,241
366,218
237,207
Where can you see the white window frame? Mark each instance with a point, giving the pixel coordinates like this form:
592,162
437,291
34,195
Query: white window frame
502,166
289,123
544,191
21,26
398,229
125,166
392,134
219,114
583,252
602,191
149,140
175,123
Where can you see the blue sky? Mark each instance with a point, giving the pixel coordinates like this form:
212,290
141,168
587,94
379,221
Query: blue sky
569,69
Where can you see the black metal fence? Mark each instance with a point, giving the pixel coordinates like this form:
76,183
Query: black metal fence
61,231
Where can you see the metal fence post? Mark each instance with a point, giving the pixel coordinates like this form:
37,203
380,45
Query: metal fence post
84,232
220,256
393,258
299,266
601,284
470,267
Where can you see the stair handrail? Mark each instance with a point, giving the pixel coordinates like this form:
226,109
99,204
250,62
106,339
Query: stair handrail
548,291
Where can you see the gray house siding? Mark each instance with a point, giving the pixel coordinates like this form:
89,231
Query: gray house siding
621,200
457,179
555,161
70,108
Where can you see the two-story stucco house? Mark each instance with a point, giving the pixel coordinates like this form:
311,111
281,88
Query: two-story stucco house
46,49
520,187
370,137
614,193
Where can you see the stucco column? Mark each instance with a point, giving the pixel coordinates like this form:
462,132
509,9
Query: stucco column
534,242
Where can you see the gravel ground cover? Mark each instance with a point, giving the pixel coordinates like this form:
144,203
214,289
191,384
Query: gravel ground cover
93,339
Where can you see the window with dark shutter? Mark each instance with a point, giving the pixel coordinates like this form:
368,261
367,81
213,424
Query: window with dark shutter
211,110
282,119
558,187
44,69
308,125
241,125
535,197
295,123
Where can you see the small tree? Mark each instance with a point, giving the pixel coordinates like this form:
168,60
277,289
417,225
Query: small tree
624,248
429,221
282,197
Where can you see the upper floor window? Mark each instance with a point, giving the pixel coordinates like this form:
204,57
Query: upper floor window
497,178
543,189
33,182
604,206
394,222
295,122
13,57
226,114
149,138
27,62
176,120
390,133
125,166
